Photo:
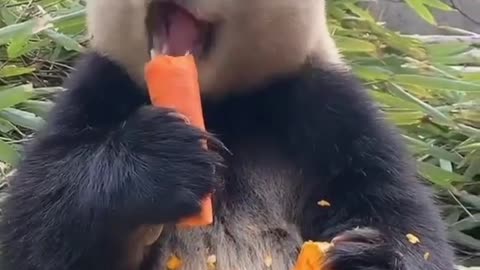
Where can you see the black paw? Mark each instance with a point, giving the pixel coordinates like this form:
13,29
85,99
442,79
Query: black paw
362,249
168,170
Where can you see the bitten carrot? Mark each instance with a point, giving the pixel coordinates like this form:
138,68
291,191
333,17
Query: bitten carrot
312,256
173,83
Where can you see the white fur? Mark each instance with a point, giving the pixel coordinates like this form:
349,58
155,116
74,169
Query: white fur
257,38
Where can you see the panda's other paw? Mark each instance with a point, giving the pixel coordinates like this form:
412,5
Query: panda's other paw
362,249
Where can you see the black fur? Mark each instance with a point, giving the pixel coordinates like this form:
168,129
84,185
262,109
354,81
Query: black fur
108,162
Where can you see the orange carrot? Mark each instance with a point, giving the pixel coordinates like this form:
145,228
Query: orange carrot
312,255
173,83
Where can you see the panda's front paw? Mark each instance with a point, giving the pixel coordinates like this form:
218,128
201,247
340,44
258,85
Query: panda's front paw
170,168
362,249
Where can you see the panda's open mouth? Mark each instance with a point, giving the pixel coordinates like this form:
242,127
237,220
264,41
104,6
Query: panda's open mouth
174,31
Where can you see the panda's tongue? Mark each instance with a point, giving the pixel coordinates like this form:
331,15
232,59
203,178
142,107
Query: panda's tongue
183,33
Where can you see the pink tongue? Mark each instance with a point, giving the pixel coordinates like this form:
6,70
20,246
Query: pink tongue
183,33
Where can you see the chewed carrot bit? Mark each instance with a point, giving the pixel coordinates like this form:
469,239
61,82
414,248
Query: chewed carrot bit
174,263
413,239
173,83
324,203
312,256
268,261
211,262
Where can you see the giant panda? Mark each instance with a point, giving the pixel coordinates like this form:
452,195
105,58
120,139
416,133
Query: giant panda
104,183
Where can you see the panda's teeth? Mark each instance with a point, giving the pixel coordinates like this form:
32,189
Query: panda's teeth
164,48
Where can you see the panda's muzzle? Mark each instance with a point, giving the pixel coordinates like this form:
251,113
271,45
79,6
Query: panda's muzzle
174,31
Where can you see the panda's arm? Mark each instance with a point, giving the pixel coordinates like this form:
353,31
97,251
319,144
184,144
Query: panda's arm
351,159
105,164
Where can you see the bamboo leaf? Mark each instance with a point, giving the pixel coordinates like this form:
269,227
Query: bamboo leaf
436,83
348,44
7,153
438,176
405,118
24,29
437,4
67,42
372,72
422,10
434,151
15,95
12,71
22,118
6,126
467,223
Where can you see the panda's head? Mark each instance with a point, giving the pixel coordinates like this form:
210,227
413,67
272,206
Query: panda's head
237,43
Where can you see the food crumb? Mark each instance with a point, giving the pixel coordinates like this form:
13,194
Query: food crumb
268,261
211,261
413,239
426,256
324,203
174,263
312,255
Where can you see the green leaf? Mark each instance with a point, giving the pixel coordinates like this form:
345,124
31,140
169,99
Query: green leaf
436,83
392,101
24,29
40,108
73,25
474,77
474,167
434,151
7,153
67,42
406,118
437,175
6,126
430,110
15,95
468,198
446,49
468,147
468,223
12,71
7,16
438,4
348,44
464,239
18,47
362,13
421,10
75,15
372,72
22,118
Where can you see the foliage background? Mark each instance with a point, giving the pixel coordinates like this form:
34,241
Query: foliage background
431,90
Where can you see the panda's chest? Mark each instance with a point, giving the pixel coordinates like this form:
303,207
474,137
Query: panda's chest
254,232
246,242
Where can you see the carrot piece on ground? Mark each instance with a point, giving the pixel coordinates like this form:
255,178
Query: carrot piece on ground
312,255
173,83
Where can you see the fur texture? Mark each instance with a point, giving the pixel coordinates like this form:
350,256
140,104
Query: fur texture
298,128
106,164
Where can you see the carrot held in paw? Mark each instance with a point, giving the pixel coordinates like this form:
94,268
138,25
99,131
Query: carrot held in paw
173,83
